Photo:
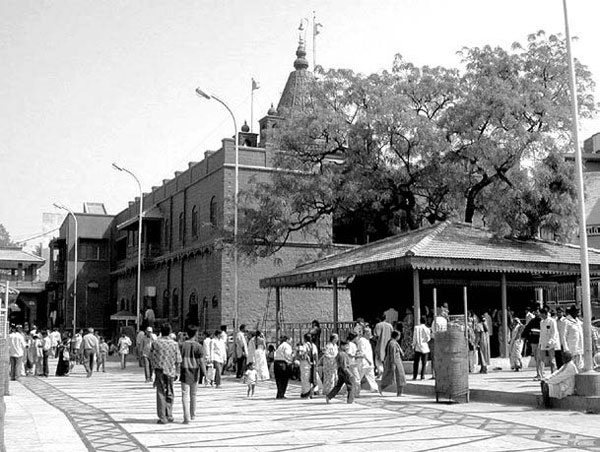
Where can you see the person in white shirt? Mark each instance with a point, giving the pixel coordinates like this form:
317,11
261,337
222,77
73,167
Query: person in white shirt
549,342
282,365
365,363
421,338
354,356
207,344
560,324
562,382
123,347
54,340
218,355
16,349
573,336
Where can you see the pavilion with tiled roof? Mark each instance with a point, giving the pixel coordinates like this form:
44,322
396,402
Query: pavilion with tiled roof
406,270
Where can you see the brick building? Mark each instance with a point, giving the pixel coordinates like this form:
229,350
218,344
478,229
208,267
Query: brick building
187,263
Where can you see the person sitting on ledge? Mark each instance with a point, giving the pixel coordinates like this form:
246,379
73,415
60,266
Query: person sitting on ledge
562,382
597,362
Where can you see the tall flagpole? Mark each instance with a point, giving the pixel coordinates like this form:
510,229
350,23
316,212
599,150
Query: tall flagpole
254,87
585,272
316,26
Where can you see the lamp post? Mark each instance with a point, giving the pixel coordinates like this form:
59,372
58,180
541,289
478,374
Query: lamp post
139,250
60,206
204,95
583,246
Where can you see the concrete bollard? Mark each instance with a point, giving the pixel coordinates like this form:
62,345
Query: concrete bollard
587,384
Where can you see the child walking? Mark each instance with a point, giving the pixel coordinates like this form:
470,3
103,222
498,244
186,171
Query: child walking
250,378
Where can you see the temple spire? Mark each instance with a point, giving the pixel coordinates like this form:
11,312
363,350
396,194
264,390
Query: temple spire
301,61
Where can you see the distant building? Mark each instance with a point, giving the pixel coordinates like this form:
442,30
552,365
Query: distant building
19,268
93,271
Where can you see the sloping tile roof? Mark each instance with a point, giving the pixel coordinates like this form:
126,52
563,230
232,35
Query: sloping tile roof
16,254
445,246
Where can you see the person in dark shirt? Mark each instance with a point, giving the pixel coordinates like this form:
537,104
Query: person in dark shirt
531,333
344,374
192,364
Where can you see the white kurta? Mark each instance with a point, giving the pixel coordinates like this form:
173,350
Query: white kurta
562,382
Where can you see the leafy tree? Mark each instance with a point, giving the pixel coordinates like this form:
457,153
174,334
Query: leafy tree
4,237
385,152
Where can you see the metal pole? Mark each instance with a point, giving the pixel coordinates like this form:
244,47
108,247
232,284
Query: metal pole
235,205
583,246
139,250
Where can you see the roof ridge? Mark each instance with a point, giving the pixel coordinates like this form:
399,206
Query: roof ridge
437,229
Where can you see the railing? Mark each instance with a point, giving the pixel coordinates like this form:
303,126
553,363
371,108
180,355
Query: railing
297,331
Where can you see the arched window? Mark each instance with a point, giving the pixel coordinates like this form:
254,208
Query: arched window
175,298
193,308
181,226
165,305
194,222
213,211
167,233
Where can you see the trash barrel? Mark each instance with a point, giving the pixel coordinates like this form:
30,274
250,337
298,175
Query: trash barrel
451,365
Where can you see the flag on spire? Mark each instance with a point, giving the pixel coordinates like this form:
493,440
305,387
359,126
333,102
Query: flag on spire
255,85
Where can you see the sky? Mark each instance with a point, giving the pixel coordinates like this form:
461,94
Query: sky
85,83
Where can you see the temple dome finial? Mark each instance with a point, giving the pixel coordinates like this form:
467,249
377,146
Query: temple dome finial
301,61
245,127
272,111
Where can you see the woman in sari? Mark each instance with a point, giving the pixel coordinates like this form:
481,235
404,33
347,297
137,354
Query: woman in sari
259,358
308,357
393,370
63,351
516,345
483,343
329,363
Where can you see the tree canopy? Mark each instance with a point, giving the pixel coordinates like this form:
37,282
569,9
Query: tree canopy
380,153
4,237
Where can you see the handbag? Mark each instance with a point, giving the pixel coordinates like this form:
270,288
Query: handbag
210,372
66,356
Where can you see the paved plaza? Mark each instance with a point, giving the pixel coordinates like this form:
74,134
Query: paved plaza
115,411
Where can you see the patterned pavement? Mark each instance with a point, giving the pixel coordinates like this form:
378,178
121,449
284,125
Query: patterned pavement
115,411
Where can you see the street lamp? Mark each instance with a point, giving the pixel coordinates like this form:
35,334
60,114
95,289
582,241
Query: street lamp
583,246
60,206
139,251
204,95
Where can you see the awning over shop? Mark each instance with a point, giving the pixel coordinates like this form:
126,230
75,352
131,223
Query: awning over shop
12,293
444,246
152,214
123,315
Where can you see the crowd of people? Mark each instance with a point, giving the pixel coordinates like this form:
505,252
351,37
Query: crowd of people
369,356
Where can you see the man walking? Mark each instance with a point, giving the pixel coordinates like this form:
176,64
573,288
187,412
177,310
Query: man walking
282,366
165,358
145,345
241,351
344,375
46,349
16,349
192,355
91,349
549,342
